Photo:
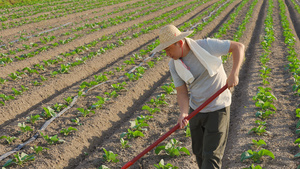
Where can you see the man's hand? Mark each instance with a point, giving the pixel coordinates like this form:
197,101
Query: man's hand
181,121
232,80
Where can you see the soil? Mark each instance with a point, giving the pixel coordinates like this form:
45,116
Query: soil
84,148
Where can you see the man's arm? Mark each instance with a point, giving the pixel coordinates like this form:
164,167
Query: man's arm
183,101
238,52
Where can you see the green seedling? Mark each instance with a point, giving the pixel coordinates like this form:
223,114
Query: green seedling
187,130
99,103
151,110
172,149
162,165
76,121
2,81
65,68
36,83
254,167
141,70
68,100
15,76
30,71
132,134
68,130
112,94
43,78
168,89
130,61
109,156
119,86
264,114
124,143
52,140
256,155
38,149
118,69
138,124
53,74
48,113
151,64
20,159
58,107
159,101
32,119
17,92
8,139
86,112
258,143
24,128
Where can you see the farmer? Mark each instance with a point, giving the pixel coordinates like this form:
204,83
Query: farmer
197,66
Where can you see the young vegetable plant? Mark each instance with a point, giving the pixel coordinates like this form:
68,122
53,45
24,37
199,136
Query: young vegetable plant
8,139
86,112
162,165
124,143
254,167
112,94
99,103
172,149
159,101
48,113
100,78
264,114
256,155
68,100
168,89
68,130
109,156
151,110
132,134
76,121
38,149
24,128
52,140
20,159
119,86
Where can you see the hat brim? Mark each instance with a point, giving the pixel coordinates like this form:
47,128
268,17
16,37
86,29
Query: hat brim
163,46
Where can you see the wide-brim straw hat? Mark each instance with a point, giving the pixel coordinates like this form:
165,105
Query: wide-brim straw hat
169,35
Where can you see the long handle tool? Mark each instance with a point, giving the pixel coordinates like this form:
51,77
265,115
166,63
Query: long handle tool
175,128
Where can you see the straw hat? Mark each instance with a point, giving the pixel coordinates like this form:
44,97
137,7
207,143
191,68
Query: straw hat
169,35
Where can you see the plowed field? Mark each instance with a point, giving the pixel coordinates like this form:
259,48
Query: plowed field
81,49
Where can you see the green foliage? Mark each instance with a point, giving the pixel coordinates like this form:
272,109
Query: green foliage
172,149
48,113
76,121
151,110
38,149
68,100
162,165
68,130
20,159
52,140
169,88
86,112
256,155
109,156
8,139
254,167
124,143
100,78
119,86
187,130
258,143
159,101
24,128
112,94
132,134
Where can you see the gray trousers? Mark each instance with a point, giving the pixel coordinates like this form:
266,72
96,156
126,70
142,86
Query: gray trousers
209,133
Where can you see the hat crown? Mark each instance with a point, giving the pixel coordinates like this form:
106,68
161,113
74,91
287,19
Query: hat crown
168,33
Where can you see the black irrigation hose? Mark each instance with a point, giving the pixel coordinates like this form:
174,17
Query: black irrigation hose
76,97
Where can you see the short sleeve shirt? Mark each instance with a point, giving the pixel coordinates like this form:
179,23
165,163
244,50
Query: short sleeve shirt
205,86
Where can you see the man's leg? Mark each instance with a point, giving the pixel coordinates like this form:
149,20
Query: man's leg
197,132
215,138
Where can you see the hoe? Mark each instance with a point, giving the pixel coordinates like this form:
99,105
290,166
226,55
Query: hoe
175,128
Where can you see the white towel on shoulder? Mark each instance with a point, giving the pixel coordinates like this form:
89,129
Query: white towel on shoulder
210,62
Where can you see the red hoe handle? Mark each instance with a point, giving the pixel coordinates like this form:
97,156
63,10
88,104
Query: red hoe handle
175,128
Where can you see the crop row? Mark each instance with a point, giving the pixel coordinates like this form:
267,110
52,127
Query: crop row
101,25
65,67
57,14
294,66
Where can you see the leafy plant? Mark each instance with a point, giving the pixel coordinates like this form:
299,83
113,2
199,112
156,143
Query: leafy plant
151,64
76,121
68,130
254,167
38,149
162,165
48,113
17,92
8,139
124,143
109,156
258,143
52,140
20,159
187,130
132,134
24,128
32,119
264,114
99,103
168,89
119,86
68,100
172,149
151,110
86,112
112,94
256,155
159,101
36,83
43,78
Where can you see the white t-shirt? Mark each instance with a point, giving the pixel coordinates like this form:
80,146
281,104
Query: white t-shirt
204,86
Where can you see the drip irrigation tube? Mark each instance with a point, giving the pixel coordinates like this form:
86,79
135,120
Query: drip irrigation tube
39,33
